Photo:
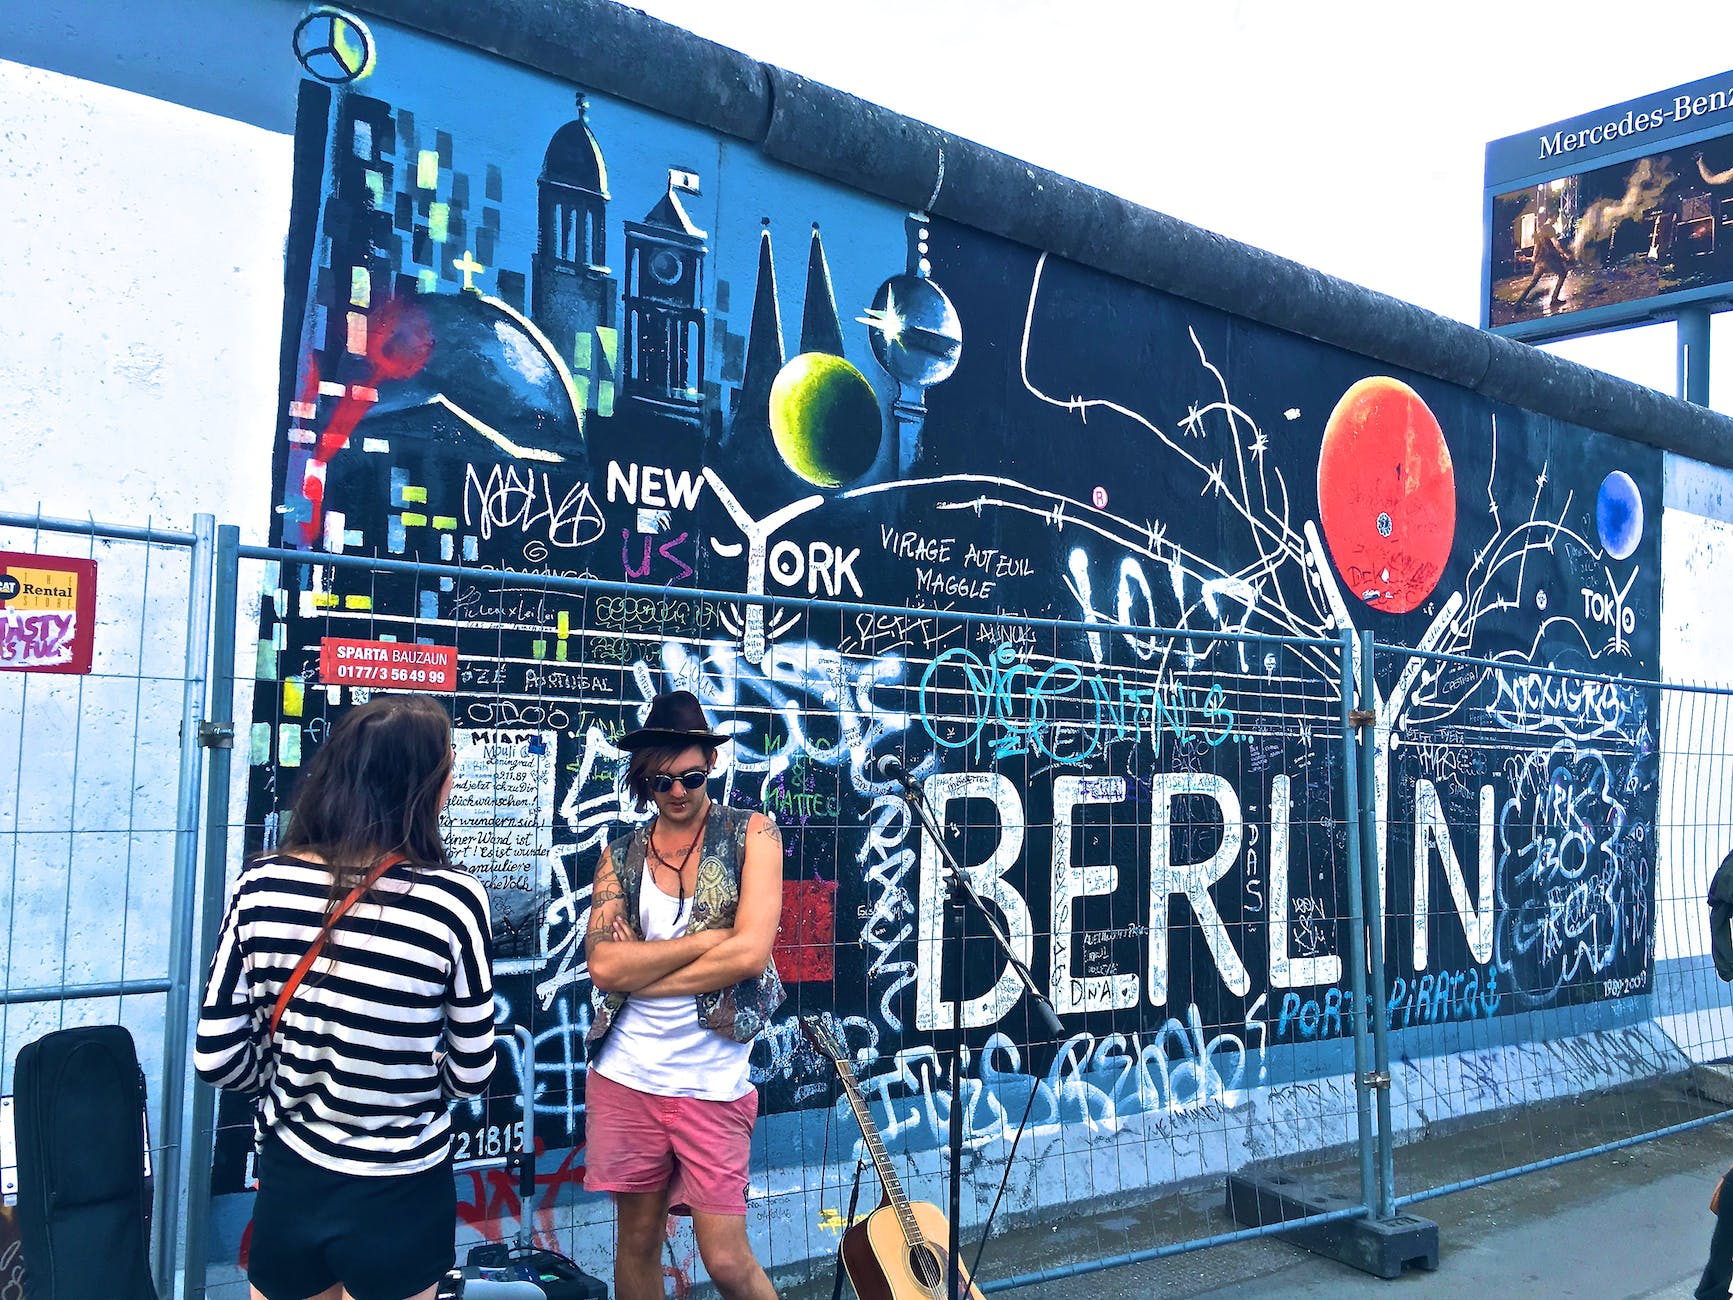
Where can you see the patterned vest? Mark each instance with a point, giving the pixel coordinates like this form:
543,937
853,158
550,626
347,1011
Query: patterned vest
739,1011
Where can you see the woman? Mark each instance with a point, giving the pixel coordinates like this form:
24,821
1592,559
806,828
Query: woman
392,1020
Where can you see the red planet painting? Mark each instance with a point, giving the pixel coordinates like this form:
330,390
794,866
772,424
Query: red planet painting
1386,494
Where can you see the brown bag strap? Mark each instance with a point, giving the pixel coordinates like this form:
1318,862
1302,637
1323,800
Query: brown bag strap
312,954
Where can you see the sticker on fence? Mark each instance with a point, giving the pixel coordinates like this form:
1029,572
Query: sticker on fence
499,824
391,665
47,613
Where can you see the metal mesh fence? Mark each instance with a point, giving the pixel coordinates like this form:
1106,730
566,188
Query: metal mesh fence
1173,829
98,820
1156,819
1564,836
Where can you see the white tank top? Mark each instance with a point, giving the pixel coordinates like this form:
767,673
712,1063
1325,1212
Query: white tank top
656,1044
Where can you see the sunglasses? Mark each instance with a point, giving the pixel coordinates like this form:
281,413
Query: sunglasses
663,782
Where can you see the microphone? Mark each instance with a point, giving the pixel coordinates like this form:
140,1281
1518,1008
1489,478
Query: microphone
890,769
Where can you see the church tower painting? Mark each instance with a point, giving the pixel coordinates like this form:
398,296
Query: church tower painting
664,320
573,293
750,414
820,326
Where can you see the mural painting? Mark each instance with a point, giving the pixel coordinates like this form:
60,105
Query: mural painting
536,330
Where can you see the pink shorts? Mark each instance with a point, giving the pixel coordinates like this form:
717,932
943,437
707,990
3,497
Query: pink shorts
639,1142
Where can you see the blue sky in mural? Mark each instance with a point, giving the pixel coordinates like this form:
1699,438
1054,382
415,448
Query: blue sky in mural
1320,132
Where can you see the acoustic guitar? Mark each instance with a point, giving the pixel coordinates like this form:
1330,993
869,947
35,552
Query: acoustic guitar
898,1251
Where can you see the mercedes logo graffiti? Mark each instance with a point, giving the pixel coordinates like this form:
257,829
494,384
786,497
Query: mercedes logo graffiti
334,46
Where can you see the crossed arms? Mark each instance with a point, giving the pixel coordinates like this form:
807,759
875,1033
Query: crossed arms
621,962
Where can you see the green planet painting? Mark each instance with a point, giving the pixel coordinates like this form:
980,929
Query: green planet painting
825,419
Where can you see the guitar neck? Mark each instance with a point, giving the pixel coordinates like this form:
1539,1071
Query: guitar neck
881,1158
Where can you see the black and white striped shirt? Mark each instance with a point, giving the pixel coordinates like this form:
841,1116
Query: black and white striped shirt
394,1020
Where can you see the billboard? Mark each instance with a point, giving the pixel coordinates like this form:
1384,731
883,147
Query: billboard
1617,217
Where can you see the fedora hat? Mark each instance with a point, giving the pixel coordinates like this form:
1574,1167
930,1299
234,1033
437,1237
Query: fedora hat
675,718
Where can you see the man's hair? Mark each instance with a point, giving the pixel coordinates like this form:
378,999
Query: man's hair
649,761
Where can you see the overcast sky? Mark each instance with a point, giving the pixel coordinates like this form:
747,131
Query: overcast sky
1299,127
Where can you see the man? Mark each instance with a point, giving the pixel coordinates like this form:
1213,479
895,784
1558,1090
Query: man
683,916
1550,258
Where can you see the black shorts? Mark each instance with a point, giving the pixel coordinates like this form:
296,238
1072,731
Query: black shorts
383,1238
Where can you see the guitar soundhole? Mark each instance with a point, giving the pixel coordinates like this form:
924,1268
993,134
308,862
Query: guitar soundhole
924,1264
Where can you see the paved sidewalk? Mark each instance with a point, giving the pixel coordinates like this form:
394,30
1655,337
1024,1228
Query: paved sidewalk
1612,1228
1631,1224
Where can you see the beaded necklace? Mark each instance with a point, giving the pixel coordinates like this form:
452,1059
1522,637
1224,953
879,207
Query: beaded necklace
680,869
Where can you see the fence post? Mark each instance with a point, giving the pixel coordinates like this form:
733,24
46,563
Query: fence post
218,737
1370,853
171,1168
1363,1011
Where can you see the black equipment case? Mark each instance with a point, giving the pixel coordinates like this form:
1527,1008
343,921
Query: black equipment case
83,1191
518,1269
557,1276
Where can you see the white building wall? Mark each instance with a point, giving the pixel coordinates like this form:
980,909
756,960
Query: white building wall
140,313
1696,637
140,317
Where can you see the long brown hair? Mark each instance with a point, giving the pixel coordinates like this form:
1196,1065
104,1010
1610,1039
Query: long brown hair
373,789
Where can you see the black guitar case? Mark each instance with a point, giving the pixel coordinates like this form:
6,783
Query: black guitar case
83,1196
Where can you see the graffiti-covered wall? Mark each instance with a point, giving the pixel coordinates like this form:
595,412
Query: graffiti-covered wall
937,478
537,329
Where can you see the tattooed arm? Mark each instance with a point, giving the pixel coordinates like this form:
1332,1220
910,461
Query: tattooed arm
621,962
746,950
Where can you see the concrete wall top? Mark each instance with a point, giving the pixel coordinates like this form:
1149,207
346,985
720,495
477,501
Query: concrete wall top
605,45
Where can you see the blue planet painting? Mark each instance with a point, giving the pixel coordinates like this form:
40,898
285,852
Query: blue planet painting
1619,514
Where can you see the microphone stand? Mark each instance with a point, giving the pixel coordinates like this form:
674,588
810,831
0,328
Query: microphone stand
960,899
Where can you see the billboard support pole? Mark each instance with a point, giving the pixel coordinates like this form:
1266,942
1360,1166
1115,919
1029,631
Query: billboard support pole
1693,327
